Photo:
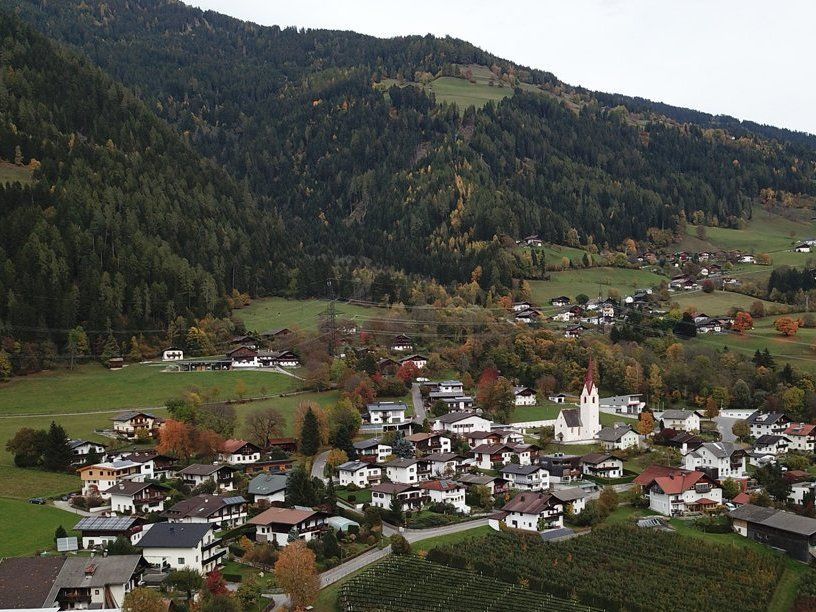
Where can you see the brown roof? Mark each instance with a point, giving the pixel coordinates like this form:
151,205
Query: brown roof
440,485
202,506
128,487
421,437
285,516
676,484
491,448
26,581
231,446
391,487
653,471
596,458
529,503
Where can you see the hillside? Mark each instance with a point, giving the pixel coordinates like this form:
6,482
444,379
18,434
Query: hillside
120,224
397,178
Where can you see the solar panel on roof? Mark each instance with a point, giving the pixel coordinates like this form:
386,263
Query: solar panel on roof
104,523
234,500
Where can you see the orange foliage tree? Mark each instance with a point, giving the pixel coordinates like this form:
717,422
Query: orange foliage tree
787,326
176,439
296,573
743,321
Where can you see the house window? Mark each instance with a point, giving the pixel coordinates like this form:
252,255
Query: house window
181,560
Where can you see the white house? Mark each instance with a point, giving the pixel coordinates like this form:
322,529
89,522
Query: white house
221,512
81,449
522,306
172,354
534,512
767,423
373,450
385,415
524,396
802,437
402,343
420,361
199,473
800,490
490,455
442,464
132,424
674,492
461,423
426,443
446,492
602,465
98,531
573,498
581,424
720,460
359,473
176,546
526,477
451,386
624,404
98,478
130,497
771,444
405,471
409,496
619,437
239,452
275,524
685,420
267,487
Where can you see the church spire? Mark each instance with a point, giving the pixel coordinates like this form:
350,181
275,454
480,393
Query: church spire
589,380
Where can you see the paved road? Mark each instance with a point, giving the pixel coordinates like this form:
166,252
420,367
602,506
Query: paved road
63,505
419,406
724,425
412,535
319,466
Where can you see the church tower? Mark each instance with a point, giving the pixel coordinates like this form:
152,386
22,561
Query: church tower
590,405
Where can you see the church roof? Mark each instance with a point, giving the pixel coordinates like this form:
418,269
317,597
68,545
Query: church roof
572,417
589,381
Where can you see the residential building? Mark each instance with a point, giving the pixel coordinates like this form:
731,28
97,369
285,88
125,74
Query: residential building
526,477
220,512
133,424
373,450
534,512
239,452
793,533
802,437
581,424
767,423
98,531
154,465
494,484
172,354
442,464
524,396
491,456
199,473
446,492
680,420
426,443
100,477
450,386
720,460
562,301
619,437
632,404
675,492
573,498
771,444
601,465
420,361
68,583
385,416
409,496
82,449
461,423
800,490
267,487
562,468
359,473
402,343
405,471
131,497
176,546
275,525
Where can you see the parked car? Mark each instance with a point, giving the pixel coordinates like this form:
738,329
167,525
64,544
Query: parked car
36,500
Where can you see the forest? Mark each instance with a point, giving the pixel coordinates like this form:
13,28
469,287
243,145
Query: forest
214,154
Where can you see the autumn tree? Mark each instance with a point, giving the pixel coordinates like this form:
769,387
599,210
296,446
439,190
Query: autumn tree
296,573
207,444
408,371
77,345
214,583
264,425
655,383
787,326
187,581
176,439
646,423
142,599
319,413
743,321
336,458
741,429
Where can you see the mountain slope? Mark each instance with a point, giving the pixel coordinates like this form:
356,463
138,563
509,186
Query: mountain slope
395,178
123,225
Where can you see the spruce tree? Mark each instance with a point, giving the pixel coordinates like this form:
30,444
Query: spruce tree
57,455
309,434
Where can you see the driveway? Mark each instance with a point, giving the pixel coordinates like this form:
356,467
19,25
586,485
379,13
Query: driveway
419,406
64,505
412,535
724,425
319,466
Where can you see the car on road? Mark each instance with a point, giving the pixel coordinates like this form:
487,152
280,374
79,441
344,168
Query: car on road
37,500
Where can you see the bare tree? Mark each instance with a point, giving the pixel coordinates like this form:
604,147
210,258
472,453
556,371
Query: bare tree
265,425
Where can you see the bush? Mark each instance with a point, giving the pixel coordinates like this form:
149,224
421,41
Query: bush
351,499
399,545
352,487
236,549
232,577
353,529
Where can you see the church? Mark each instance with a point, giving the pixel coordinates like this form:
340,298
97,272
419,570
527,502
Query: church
581,424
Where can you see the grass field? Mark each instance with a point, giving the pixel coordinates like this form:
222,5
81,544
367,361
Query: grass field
535,413
93,387
590,281
270,313
29,528
717,303
764,233
9,173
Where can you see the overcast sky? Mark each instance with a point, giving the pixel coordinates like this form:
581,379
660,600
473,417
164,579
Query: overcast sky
746,58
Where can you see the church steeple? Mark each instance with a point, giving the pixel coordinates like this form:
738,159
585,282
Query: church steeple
589,377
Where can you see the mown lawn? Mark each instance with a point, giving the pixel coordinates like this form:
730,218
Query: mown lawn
764,233
276,312
92,387
717,303
451,538
591,281
28,528
541,412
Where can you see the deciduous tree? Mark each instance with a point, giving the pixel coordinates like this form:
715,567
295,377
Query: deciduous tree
265,425
142,599
296,573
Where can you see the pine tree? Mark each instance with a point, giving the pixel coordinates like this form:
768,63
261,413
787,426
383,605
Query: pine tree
309,434
57,456
342,439
300,489
60,533
331,547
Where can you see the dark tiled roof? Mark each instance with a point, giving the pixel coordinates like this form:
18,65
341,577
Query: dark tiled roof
202,506
174,535
26,581
613,434
529,503
202,469
267,484
572,417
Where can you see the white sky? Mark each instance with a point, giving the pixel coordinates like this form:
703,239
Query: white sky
747,58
